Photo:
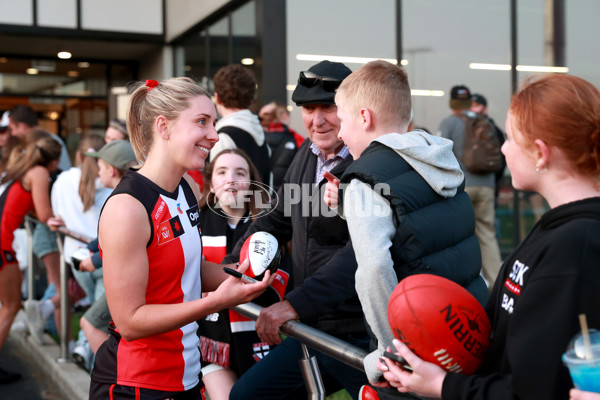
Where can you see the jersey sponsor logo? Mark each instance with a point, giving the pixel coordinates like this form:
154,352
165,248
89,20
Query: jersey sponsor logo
179,210
169,230
160,210
214,317
514,283
193,215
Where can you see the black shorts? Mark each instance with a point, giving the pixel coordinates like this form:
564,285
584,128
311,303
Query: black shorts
107,391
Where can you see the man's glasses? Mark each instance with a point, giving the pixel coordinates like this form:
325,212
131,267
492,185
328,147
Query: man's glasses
310,79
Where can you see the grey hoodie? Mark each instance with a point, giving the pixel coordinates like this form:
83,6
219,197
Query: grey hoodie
243,120
372,233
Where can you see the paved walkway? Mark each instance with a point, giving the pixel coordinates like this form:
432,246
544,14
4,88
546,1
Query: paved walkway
72,381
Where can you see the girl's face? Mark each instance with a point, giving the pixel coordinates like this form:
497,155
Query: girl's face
520,159
230,180
193,133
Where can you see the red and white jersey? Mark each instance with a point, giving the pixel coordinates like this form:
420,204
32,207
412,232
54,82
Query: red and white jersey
15,203
169,361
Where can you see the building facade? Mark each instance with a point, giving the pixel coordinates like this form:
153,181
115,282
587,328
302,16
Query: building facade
491,46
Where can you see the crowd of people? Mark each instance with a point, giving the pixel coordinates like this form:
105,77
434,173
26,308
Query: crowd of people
160,323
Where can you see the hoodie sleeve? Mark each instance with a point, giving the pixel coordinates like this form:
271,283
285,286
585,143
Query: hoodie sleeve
225,142
371,228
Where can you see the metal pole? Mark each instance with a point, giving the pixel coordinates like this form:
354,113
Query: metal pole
30,263
514,88
312,375
64,304
320,341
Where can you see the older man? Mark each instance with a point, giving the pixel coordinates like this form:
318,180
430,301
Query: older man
324,264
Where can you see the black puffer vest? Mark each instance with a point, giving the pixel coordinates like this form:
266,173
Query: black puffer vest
434,235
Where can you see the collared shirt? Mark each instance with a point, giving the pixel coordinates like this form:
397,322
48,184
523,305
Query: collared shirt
326,165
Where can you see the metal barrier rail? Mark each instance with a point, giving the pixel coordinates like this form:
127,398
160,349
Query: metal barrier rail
306,335
64,284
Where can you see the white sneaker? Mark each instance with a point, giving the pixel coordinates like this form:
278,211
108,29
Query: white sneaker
82,355
35,320
19,325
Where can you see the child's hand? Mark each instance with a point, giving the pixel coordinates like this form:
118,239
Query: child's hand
54,222
331,190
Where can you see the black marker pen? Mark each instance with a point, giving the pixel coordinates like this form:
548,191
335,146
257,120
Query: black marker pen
239,275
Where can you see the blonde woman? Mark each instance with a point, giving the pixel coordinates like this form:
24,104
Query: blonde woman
152,254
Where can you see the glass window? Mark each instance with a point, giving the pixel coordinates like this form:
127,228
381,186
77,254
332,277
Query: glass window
245,43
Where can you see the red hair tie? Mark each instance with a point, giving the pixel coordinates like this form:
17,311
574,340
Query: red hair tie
151,83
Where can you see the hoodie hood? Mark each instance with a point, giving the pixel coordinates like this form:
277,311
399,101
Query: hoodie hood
431,156
244,120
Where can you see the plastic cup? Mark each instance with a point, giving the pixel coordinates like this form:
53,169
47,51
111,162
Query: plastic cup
585,372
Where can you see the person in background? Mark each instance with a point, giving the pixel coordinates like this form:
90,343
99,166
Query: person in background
114,159
230,204
479,105
152,254
552,148
235,87
479,187
23,120
77,196
24,187
4,130
281,139
403,200
322,291
117,130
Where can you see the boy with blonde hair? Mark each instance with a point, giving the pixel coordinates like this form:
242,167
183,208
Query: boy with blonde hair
402,198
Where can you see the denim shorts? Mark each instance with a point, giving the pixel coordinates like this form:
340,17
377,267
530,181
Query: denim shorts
44,241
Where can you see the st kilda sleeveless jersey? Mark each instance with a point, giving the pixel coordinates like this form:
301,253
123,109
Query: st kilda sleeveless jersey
169,361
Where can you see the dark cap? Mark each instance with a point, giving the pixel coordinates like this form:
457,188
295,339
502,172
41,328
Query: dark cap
479,99
460,97
318,93
117,153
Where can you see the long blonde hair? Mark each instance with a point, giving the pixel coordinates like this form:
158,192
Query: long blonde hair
169,98
89,169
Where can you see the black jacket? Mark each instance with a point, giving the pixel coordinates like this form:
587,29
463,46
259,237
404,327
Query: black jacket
552,277
322,280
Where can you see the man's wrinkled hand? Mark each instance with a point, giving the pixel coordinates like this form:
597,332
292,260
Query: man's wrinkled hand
270,320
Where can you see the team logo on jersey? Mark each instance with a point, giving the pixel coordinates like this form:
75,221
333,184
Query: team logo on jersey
169,230
193,215
260,350
179,210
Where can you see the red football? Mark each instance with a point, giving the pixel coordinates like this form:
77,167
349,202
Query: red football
440,321
263,250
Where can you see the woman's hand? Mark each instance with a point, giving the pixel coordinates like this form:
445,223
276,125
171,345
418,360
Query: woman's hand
234,291
576,394
426,379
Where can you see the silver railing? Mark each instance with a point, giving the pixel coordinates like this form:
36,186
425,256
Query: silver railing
306,335
64,284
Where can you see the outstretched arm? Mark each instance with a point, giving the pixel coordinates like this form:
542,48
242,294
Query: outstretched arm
126,278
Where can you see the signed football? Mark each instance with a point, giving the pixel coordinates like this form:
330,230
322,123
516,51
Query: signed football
440,321
264,253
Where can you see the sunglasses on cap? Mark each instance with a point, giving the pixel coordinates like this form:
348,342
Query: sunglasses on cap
310,79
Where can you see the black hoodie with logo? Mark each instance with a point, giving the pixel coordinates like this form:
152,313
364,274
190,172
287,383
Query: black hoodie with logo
551,278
